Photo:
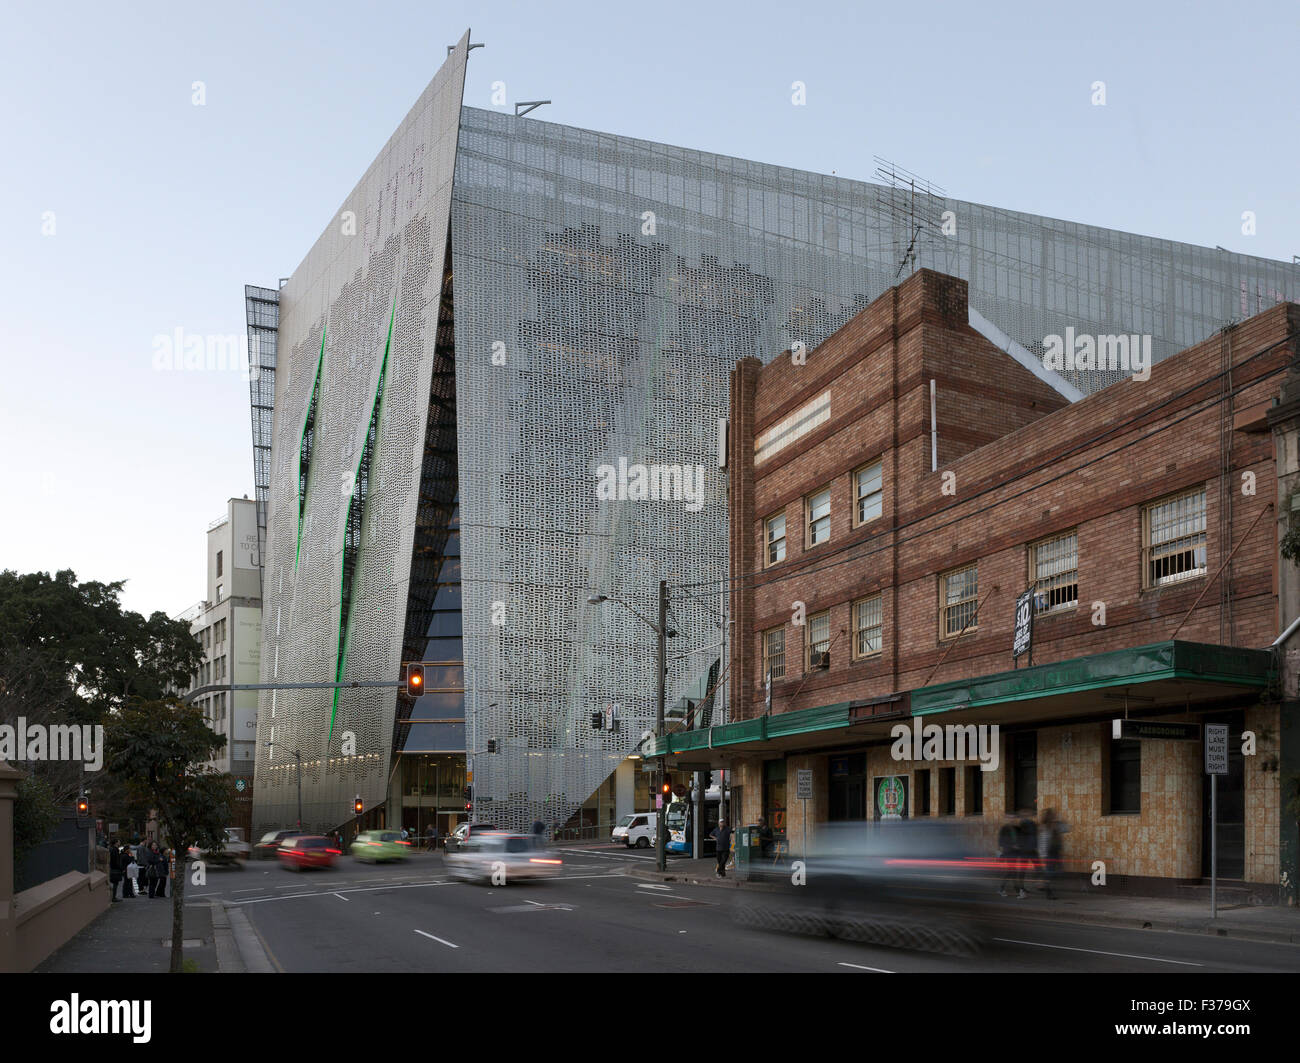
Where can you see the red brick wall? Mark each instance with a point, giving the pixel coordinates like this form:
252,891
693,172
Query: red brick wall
1025,465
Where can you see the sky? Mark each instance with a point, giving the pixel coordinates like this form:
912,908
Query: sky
154,158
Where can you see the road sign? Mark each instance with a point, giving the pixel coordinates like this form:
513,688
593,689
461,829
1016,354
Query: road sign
1216,749
1023,639
1178,732
803,784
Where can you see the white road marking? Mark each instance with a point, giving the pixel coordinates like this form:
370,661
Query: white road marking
326,893
340,896
439,940
651,886
1099,952
861,967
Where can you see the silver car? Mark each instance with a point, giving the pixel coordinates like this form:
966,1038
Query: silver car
499,858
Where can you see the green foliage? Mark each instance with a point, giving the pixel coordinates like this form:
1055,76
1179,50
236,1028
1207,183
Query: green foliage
1290,545
36,814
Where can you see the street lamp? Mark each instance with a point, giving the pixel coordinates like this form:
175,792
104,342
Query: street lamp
298,757
661,667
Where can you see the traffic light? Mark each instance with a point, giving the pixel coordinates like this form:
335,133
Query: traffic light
357,806
469,793
468,808
83,805
492,745
413,680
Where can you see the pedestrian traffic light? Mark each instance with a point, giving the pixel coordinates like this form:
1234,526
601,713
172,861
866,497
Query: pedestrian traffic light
492,745
469,793
357,806
413,680
468,808
83,805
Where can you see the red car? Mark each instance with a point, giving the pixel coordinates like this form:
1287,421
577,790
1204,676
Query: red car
308,850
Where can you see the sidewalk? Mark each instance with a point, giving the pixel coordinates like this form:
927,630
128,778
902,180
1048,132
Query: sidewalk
129,938
1270,923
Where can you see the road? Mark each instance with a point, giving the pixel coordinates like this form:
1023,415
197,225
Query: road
596,916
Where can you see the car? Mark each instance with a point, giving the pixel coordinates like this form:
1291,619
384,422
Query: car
636,830
457,837
269,846
233,851
302,851
374,846
485,855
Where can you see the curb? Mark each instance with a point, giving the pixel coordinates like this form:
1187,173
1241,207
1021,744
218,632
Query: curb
241,948
228,959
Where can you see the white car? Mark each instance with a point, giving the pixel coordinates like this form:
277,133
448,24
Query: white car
235,849
501,858
636,831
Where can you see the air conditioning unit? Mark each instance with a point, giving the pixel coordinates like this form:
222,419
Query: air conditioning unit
824,660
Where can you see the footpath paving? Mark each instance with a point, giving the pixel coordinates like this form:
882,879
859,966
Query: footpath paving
134,936
1248,922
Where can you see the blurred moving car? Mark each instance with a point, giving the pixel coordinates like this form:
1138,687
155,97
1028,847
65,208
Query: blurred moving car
457,837
302,851
636,830
516,856
374,846
269,846
235,849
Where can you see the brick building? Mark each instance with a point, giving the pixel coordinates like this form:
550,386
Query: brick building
877,553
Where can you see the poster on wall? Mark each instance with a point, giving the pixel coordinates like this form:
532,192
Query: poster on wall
891,797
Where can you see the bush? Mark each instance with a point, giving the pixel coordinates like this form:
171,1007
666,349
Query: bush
35,815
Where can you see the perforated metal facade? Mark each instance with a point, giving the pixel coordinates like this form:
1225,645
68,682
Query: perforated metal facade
603,287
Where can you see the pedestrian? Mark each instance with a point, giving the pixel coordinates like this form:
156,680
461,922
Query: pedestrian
1027,832
152,861
539,834
133,872
764,836
722,835
114,870
1051,846
164,867
431,837
1009,854
128,862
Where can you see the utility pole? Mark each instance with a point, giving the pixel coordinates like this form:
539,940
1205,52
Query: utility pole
661,667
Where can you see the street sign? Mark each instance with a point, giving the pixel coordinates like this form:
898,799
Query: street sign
1023,639
1178,732
1216,749
803,784
767,687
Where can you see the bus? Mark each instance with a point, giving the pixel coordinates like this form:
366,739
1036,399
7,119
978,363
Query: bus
679,821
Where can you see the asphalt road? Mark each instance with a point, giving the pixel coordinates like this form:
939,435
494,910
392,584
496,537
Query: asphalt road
413,916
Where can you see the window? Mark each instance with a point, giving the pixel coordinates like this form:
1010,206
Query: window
923,792
1024,778
866,627
819,640
219,592
819,517
774,652
776,539
958,600
948,791
974,791
867,490
1173,539
1125,776
218,562
1054,570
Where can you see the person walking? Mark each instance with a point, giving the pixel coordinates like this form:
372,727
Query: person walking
1051,847
164,870
1009,854
128,864
114,871
722,834
1027,832
152,860
133,872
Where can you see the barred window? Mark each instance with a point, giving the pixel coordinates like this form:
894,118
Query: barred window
774,652
819,517
867,490
958,598
1054,569
819,639
776,539
866,627
1174,539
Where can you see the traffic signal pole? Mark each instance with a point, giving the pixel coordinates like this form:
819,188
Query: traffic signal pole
661,667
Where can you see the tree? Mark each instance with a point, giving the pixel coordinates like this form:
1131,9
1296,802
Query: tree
157,748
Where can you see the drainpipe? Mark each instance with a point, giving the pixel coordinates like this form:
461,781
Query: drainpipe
1286,634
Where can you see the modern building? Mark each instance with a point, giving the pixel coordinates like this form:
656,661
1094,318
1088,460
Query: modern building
228,624
509,331
892,498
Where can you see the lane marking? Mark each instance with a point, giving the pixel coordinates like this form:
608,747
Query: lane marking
439,940
340,896
651,886
326,893
1099,952
862,967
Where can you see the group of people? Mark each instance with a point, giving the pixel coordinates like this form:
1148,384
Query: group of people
142,868
1028,846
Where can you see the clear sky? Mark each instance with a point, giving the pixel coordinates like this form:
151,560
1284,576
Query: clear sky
161,210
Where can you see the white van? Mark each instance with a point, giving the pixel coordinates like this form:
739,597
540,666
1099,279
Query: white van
637,830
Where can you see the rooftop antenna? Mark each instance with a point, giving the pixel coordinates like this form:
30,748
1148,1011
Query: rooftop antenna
451,48
528,105
914,206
